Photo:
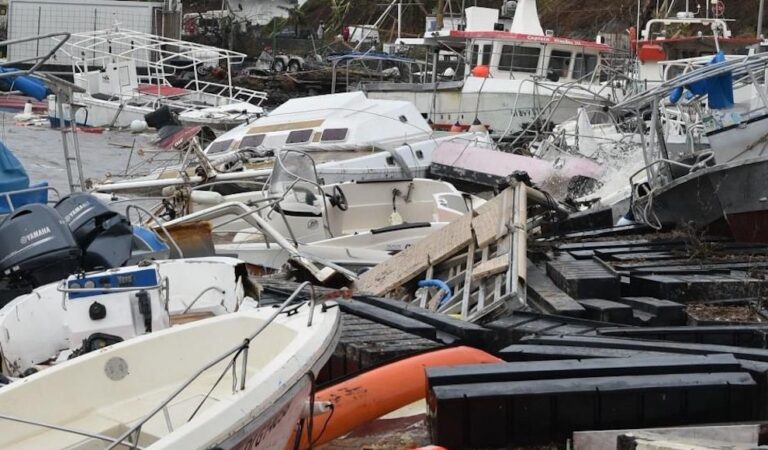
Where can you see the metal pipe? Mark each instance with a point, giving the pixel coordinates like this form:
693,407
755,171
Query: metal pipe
64,429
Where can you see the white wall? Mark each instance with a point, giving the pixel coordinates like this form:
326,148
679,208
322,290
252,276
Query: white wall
35,17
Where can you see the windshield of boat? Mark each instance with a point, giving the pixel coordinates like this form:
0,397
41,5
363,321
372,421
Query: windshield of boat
294,171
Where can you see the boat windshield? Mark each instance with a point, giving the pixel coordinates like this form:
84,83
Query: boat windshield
294,171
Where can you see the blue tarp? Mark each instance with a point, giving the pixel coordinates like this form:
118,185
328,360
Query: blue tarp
719,89
13,177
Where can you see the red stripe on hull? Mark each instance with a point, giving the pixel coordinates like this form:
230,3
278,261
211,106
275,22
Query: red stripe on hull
749,226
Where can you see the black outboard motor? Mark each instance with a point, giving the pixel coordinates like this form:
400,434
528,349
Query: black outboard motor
36,247
104,235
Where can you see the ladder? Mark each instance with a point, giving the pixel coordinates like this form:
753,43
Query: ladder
64,92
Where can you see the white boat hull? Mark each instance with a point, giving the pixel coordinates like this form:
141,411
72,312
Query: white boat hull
98,113
740,141
504,106
36,328
107,392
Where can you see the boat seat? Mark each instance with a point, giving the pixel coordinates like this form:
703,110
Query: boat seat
105,97
96,424
180,319
179,410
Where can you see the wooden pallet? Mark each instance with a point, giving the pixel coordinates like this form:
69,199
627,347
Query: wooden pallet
481,257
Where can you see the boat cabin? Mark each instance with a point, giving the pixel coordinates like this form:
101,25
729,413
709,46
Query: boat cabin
515,56
520,48
683,37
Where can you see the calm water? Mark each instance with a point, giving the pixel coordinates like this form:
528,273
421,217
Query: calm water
40,150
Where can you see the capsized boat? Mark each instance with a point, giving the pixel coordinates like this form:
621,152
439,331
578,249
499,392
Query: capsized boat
234,381
349,136
88,311
128,74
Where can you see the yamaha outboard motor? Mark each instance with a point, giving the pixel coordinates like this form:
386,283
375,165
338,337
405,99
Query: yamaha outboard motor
104,235
36,247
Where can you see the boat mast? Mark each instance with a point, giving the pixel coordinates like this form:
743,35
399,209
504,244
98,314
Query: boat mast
439,18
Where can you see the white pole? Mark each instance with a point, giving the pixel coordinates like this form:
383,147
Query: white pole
760,19
399,19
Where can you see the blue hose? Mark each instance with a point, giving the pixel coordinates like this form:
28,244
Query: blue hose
440,284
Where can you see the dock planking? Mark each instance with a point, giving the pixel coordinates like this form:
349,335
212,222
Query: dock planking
520,324
547,297
687,288
365,344
584,279
663,312
538,412
607,311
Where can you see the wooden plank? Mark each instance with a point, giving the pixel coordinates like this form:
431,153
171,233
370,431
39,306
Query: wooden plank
468,278
438,247
491,267
493,216
409,263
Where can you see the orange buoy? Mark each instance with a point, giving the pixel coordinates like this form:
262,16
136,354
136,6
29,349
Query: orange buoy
92,130
380,391
457,127
481,71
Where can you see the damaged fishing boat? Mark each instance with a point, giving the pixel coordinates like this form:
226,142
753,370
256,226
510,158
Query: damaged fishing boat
128,74
722,188
510,73
92,310
164,390
354,224
349,136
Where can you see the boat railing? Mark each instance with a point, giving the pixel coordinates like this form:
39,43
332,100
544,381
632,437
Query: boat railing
559,93
223,90
158,223
10,203
235,353
643,213
69,430
270,203
283,169
252,217
163,288
37,61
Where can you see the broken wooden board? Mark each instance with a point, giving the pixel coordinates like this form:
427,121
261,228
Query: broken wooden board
407,264
437,247
491,267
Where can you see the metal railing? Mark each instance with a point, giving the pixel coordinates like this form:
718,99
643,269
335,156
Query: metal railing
163,288
39,189
134,432
225,91
235,352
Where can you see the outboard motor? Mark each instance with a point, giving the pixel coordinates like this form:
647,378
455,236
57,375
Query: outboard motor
105,236
36,247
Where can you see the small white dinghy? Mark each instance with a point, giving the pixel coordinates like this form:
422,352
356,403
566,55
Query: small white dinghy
235,381
88,311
